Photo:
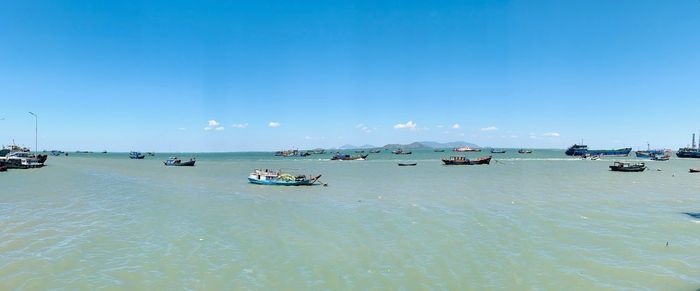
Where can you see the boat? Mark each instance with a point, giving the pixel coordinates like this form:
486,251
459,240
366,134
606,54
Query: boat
661,158
498,152
22,160
174,161
649,153
375,151
345,157
689,152
305,154
401,152
267,177
136,156
287,153
57,153
439,150
595,158
693,170
580,150
628,167
524,151
3,168
465,149
407,164
318,151
359,152
104,152
457,160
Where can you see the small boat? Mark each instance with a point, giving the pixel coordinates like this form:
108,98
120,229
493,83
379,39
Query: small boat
359,152
104,152
465,149
455,160
439,150
287,153
498,152
627,167
305,154
267,177
344,157
401,152
3,169
319,151
661,158
524,151
693,170
22,160
375,151
595,158
57,153
136,156
174,161
407,164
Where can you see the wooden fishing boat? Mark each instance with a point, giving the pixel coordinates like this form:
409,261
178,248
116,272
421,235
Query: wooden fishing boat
693,170
627,167
345,157
305,154
266,177
174,161
439,150
524,151
660,158
498,152
375,151
401,152
456,160
407,164
465,149
136,156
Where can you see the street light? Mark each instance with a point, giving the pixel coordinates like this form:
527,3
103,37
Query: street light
36,132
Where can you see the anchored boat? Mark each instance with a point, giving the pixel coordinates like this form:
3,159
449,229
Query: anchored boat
407,164
628,167
689,152
455,160
581,150
498,151
266,177
345,157
465,149
136,156
401,152
524,151
174,161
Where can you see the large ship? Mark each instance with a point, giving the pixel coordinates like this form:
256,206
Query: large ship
582,150
689,152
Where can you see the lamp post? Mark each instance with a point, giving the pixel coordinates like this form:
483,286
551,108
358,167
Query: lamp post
36,132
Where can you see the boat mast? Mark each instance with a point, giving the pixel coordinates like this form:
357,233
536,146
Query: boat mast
693,140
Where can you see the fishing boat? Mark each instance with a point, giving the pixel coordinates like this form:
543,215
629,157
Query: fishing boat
401,152
595,158
305,154
457,160
524,151
287,153
660,158
375,151
407,164
359,152
56,153
345,157
174,161
649,153
498,151
136,156
580,150
689,152
279,178
318,151
439,150
22,160
465,149
694,170
628,167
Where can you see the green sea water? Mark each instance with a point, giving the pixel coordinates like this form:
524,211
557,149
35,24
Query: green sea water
540,221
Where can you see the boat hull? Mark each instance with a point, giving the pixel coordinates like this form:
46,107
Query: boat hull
607,153
180,164
276,182
689,154
479,161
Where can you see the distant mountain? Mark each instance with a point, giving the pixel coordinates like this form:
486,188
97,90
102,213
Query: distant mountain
353,147
415,145
347,147
453,144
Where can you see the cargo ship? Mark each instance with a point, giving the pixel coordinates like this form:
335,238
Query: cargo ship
582,150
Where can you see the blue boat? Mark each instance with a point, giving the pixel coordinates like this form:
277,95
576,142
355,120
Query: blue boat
174,161
136,156
267,177
582,150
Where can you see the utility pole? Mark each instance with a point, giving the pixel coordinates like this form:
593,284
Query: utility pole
36,132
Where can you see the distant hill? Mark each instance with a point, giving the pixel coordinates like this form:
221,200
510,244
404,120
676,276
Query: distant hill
352,147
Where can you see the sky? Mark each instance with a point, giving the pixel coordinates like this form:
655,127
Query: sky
269,75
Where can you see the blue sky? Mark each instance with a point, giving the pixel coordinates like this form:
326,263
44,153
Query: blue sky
151,75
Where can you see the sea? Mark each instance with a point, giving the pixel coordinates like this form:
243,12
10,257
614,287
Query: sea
540,221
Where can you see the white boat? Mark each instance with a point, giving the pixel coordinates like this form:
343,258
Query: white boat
21,160
465,149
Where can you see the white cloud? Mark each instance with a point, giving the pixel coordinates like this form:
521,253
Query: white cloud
409,125
490,128
455,126
363,127
439,126
213,124
551,134
182,128
532,136
274,124
239,125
